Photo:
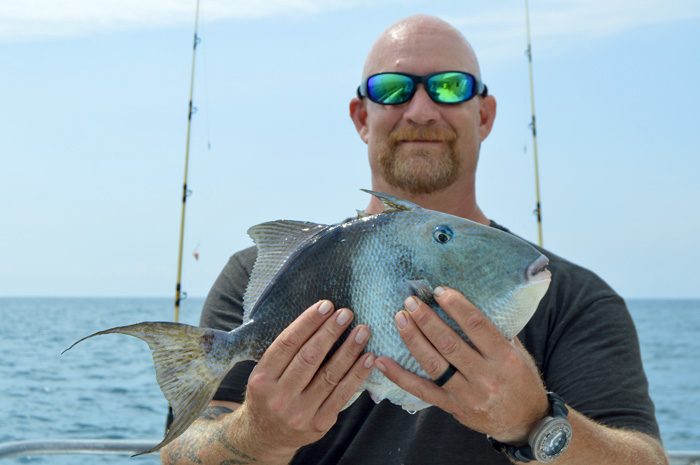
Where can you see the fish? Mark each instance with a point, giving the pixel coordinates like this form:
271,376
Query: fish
369,264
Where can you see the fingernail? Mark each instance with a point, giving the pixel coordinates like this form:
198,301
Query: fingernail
438,291
361,336
369,361
411,304
379,365
401,320
343,317
325,307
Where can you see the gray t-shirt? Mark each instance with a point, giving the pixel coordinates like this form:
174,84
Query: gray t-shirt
581,336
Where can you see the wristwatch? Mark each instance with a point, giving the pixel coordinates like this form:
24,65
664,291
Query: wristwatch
547,440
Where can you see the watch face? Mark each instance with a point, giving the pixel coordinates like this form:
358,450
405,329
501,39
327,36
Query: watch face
555,443
552,439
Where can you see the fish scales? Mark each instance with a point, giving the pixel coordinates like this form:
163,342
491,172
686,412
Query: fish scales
370,265
303,280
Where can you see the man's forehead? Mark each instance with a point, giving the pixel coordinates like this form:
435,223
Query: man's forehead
420,47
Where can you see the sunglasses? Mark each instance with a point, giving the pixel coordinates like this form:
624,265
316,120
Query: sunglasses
446,87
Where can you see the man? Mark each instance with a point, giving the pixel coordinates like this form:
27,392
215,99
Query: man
423,139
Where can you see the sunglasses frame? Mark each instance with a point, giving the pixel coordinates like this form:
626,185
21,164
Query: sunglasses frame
480,88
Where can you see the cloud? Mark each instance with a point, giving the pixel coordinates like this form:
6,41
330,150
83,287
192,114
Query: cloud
554,20
26,19
492,23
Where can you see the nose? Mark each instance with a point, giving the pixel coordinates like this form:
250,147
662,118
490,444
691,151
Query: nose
421,109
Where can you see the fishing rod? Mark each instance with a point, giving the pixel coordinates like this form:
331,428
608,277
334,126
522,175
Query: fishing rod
528,52
179,295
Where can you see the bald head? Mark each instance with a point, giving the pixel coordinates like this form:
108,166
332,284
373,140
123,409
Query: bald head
424,42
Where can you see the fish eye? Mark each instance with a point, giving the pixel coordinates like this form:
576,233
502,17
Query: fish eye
442,234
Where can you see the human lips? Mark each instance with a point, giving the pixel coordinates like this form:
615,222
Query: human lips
422,136
421,141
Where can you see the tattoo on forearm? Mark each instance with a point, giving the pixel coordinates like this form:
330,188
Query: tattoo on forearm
239,457
212,413
183,451
208,436
215,412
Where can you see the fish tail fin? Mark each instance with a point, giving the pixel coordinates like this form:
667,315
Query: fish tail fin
190,364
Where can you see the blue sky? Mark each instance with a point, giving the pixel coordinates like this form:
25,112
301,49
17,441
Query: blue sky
94,118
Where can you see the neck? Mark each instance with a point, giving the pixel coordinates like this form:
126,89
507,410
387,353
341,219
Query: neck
455,200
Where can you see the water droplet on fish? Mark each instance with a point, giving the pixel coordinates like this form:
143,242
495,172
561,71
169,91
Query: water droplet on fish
411,412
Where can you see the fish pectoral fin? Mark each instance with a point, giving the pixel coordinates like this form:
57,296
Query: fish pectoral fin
422,289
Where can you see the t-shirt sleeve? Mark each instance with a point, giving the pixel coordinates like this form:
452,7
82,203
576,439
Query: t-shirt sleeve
592,357
223,309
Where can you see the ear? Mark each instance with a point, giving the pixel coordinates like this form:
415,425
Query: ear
358,114
487,115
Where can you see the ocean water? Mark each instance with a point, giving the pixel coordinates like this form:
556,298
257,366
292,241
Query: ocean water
105,387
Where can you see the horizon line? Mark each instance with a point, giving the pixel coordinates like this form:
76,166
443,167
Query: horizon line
58,297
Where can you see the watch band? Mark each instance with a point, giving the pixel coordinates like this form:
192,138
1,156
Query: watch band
558,406
520,454
525,453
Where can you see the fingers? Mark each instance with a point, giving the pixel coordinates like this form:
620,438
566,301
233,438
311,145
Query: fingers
434,344
301,402
420,387
285,347
429,357
487,339
344,391
333,371
497,388
311,354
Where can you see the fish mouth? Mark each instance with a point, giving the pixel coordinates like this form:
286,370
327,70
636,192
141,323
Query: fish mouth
537,270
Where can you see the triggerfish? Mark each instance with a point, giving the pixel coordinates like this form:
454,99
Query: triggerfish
369,264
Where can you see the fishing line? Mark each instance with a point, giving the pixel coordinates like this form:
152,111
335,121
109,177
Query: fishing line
205,76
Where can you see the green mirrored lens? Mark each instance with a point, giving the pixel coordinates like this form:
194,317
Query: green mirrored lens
390,89
451,87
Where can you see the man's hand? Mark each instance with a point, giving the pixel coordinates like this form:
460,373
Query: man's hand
293,397
497,388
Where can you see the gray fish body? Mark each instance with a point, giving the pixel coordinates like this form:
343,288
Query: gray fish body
370,265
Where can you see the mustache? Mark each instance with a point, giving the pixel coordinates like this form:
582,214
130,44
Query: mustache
430,133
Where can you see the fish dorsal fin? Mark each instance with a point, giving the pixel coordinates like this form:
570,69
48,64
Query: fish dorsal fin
393,204
276,241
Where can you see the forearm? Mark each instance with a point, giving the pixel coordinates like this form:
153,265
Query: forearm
222,437
595,443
